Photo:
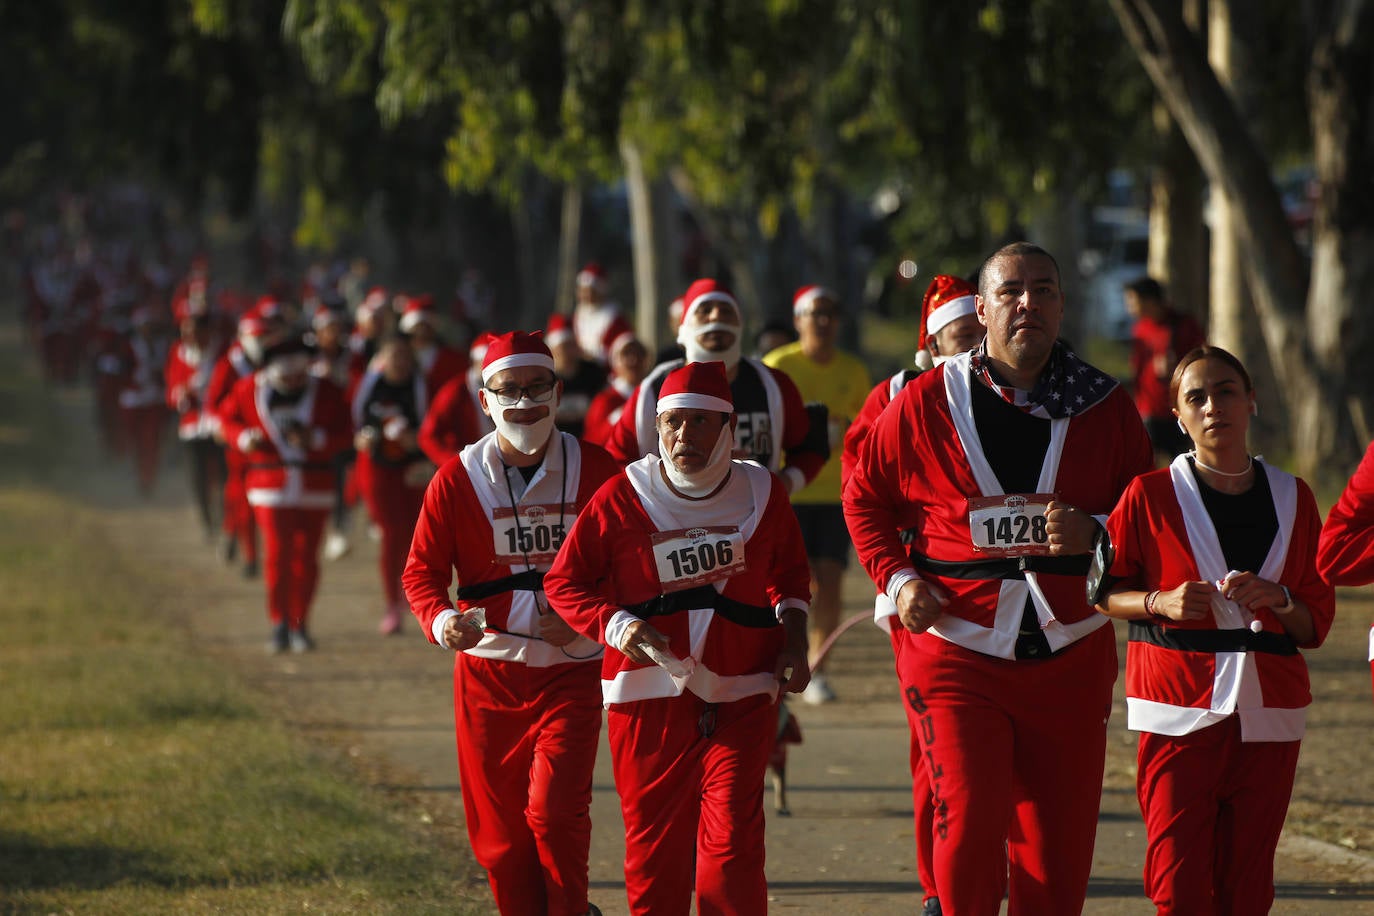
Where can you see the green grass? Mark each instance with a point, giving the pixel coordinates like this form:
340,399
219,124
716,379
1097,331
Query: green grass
138,777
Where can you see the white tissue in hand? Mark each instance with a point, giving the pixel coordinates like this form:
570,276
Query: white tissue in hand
476,618
668,661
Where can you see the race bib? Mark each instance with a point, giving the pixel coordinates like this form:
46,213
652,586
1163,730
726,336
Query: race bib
1010,526
532,537
690,557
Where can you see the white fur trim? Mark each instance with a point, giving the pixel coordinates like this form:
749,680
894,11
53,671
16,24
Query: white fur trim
804,301
516,359
949,311
694,401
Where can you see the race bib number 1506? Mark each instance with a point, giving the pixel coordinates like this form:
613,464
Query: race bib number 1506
1010,526
696,556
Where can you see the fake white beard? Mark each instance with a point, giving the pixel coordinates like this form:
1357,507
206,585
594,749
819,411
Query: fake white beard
703,482
527,438
252,348
687,336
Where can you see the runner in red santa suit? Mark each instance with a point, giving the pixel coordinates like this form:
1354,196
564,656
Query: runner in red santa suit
189,366
692,570
772,425
392,471
239,362
1345,554
455,416
437,360
1216,562
525,689
594,315
629,364
949,325
290,427
142,396
997,462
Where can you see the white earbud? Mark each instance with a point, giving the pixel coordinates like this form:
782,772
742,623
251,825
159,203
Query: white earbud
1181,428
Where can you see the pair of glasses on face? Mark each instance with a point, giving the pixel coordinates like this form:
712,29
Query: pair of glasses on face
509,396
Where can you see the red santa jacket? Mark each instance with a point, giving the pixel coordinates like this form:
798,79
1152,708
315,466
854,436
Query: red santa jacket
188,374
640,549
925,461
229,368
773,424
1182,676
500,541
1345,552
280,474
440,364
603,413
452,421
143,361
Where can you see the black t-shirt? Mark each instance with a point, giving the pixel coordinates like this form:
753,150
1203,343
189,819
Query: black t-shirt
385,403
1246,523
1014,441
754,433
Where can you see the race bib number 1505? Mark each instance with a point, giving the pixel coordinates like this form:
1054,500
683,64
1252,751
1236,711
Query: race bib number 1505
1010,526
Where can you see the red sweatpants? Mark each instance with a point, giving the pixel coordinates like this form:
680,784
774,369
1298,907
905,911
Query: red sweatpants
526,747
1014,753
396,508
922,801
693,802
291,563
1213,808
240,522
143,428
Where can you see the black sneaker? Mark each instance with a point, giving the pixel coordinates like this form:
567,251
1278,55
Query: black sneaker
300,642
250,569
931,907
592,910
280,641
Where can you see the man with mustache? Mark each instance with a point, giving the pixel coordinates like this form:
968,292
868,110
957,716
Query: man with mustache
525,689
1001,465
691,569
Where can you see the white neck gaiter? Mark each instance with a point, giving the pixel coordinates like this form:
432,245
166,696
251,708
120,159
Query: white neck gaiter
687,336
701,483
527,438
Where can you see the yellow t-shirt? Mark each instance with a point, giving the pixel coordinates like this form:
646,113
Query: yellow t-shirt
841,385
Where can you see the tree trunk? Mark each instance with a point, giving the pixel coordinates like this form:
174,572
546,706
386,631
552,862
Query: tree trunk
735,235
643,245
1177,65
1341,99
569,244
1232,45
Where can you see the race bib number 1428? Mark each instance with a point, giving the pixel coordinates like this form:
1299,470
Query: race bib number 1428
1010,526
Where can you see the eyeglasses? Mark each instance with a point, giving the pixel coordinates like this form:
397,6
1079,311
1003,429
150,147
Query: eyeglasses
539,393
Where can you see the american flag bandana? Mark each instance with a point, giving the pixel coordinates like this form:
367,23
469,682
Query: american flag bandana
1066,387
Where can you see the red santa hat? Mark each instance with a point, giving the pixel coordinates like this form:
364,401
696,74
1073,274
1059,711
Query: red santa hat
946,299
803,299
252,326
618,334
699,386
559,330
375,299
477,351
268,308
325,316
704,291
516,349
417,309
592,274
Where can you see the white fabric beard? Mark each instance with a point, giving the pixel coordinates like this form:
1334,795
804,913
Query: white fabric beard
687,336
703,482
527,438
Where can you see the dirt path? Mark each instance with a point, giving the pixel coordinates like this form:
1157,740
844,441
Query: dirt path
846,848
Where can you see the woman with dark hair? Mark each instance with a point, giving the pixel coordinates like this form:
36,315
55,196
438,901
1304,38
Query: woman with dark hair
1215,569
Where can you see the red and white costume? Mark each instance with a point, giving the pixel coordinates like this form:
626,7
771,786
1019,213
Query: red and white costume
689,756
239,525
1014,748
290,489
1345,554
187,376
391,477
775,434
603,413
142,404
527,712
453,420
1221,702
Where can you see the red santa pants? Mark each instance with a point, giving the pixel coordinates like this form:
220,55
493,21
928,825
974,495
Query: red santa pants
240,522
693,802
1014,754
1213,808
291,569
526,747
143,427
395,506
922,801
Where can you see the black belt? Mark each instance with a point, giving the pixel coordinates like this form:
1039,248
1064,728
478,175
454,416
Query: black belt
530,580
704,596
1212,640
1004,567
